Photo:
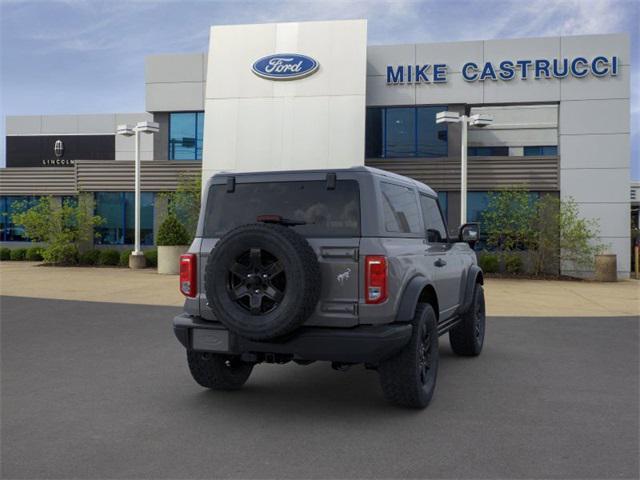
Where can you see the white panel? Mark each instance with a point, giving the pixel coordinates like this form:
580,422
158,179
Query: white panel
592,87
520,116
594,116
595,151
455,90
59,124
132,118
453,54
173,97
23,124
96,124
174,68
596,185
379,56
521,49
613,218
253,123
518,90
379,93
345,127
593,45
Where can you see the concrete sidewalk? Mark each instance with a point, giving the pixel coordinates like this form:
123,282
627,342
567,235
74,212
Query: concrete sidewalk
505,297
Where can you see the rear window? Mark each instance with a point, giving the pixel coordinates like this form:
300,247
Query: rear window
327,213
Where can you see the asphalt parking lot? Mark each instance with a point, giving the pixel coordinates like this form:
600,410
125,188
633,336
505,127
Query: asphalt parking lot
97,390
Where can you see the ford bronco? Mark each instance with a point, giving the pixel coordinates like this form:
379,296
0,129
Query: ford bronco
348,266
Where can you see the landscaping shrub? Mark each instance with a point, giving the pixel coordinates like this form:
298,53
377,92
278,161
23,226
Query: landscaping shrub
90,257
124,258
489,262
513,263
5,253
34,254
61,254
109,257
172,232
152,257
18,254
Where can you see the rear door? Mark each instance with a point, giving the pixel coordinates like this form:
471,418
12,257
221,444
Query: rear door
330,221
444,263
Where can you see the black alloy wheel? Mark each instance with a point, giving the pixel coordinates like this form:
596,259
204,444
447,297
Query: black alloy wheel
257,281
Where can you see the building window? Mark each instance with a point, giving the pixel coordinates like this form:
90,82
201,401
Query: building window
9,231
488,151
185,135
117,211
545,151
405,132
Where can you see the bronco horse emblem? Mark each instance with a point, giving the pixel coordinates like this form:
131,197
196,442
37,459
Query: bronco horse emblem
342,277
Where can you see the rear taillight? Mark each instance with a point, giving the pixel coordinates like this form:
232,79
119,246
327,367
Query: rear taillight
188,282
375,278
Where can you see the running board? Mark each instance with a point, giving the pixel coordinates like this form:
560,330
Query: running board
448,324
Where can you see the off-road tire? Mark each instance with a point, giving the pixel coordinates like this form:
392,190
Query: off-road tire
299,296
218,372
401,377
467,338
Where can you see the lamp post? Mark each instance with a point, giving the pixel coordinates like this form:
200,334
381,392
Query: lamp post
136,259
477,120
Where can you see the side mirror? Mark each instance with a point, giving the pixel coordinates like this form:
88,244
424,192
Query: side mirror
469,233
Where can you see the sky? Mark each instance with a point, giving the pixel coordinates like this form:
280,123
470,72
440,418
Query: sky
87,56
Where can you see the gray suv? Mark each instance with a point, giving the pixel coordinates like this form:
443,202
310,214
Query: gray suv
348,266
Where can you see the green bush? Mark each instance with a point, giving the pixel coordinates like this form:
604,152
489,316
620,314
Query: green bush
61,254
109,257
152,257
172,232
5,253
124,258
489,262
90,257
18,254
34,254
513,263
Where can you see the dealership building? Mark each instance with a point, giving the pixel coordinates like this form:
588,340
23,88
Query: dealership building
560,108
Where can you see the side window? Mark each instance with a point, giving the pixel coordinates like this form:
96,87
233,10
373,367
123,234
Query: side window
433,223
401,213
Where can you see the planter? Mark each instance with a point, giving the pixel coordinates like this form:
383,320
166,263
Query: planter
606,268
169,258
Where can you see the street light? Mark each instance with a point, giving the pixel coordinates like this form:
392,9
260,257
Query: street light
477,120
136,259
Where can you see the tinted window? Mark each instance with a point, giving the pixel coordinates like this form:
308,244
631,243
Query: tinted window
117,211
433,223
327,213
549,150
401,213
400,132
185,135
432,136
488,151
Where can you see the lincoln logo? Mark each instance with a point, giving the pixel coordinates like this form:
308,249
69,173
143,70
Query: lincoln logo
285,66
58,148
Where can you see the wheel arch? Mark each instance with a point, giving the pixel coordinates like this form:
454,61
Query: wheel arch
474,276
418,290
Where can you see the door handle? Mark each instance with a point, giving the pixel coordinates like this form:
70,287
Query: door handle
439,263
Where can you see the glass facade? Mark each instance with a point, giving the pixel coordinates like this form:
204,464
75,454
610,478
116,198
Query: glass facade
544,151
185,135
488,151
117,211
405,132
10,232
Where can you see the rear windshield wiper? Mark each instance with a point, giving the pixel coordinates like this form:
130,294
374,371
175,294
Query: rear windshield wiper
277,219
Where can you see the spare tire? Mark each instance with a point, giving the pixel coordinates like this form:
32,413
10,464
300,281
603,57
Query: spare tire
262,280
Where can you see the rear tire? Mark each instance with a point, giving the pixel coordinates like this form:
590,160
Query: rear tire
218,372
409,378
467,338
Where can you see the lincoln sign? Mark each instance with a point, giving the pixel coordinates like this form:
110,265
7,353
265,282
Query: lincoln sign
578,67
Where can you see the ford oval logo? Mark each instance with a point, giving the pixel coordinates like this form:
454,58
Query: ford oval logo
285,66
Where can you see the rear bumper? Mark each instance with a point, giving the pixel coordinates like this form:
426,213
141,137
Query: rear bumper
362,344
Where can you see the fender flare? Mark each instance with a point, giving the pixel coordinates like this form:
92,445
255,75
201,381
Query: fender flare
474,275
410,296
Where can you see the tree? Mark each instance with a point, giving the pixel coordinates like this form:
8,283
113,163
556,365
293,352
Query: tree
507,219
184,203
61,227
